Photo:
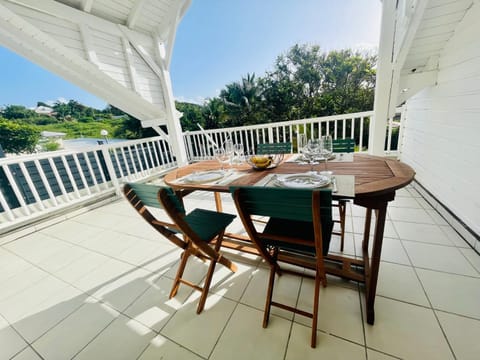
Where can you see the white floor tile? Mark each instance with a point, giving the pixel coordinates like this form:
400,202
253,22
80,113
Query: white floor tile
11,342
439,220
285,290
426,233
154,308
339,311
410,215
439,257
228,284
454,237
393,251
81,267
11,265
124,338
375,355
328,346
407,331
257,342
50,312
405,202
453,293
189,329
162,348
401,283
463,334
27,354
473,257
76,331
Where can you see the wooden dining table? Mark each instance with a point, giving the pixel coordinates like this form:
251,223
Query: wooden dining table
376,180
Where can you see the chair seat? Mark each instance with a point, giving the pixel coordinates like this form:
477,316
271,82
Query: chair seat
207,224
297,229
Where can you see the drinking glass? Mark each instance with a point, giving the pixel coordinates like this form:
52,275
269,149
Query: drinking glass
221,156
312,150
326,148
238,151
301,141
228,148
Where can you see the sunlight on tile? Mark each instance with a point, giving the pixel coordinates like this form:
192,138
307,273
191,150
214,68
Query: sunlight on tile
71,296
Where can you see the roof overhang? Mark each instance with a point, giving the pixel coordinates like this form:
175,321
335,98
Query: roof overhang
118,51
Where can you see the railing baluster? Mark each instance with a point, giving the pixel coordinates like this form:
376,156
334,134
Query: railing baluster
44,179
92,173
58,178
16,190
31,185
70,176
360,145
82,176
6,208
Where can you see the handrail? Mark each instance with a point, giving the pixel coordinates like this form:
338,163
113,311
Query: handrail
354,126
32,185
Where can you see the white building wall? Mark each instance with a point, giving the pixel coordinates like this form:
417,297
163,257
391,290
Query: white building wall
442,134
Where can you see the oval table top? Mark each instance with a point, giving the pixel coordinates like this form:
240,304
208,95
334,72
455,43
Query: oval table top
374,175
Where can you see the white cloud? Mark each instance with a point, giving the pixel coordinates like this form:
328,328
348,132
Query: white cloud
200,100
61,100
366,48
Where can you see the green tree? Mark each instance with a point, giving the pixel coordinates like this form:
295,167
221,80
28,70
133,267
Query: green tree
192,115
18,138
12,112
214,113
308,83
243,101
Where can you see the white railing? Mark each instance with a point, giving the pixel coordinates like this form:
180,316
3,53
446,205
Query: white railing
200,144
34,185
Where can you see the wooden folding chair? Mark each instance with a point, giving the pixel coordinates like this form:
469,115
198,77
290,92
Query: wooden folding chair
342,146
299,229
193,232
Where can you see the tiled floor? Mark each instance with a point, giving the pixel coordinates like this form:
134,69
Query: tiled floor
96,287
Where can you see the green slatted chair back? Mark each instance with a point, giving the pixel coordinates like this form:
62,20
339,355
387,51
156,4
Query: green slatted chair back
148,195
274,148
298,231
343,145
198,233
282,205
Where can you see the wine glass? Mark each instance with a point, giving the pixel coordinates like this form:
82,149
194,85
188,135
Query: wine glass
229,149
301,141
221,156
311,150
238,151
326,148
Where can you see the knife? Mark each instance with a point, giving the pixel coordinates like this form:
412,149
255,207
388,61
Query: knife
334,184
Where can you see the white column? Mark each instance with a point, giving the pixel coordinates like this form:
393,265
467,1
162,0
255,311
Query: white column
381,106
173,121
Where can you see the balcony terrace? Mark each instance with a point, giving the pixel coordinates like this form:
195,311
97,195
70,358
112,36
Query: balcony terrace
82,276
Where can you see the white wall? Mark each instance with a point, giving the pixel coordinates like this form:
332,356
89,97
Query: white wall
442,134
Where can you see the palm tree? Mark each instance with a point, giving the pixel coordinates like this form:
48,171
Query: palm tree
243,101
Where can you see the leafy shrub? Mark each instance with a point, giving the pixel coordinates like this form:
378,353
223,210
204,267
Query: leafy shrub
18,138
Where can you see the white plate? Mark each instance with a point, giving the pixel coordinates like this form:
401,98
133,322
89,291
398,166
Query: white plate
303,181
205,176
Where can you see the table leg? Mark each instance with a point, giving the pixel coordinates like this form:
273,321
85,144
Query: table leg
218,201
371,280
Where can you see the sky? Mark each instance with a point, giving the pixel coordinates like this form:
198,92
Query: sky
218,42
